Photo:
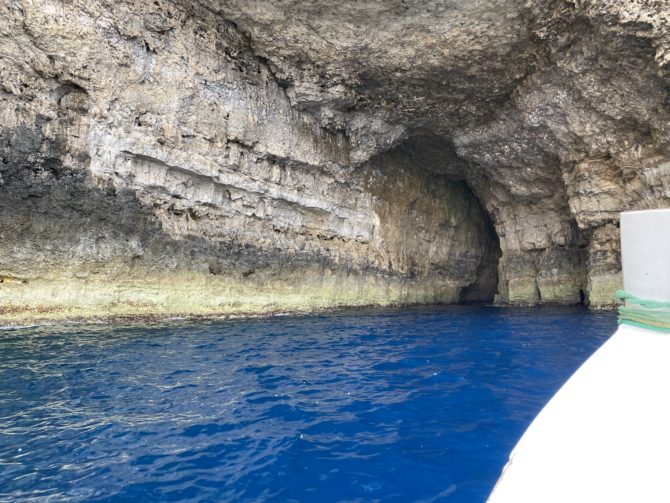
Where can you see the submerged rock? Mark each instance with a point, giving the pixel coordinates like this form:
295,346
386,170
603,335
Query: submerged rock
184,158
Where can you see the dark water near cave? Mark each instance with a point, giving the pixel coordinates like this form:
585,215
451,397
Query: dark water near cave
401,405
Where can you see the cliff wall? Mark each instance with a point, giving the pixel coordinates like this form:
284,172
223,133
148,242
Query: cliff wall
151,164
218,157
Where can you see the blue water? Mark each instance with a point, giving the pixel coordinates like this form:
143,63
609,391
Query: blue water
401,405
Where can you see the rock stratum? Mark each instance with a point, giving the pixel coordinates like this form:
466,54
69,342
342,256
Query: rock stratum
219,157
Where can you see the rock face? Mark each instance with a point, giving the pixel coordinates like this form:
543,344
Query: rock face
221,157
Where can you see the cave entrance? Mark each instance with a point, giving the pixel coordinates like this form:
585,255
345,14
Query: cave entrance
436,156
485,286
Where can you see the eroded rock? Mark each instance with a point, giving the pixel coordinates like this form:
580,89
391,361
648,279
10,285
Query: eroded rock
214,157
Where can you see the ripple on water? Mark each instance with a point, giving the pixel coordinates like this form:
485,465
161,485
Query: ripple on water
401,405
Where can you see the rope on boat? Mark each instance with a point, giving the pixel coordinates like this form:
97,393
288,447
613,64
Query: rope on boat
651,314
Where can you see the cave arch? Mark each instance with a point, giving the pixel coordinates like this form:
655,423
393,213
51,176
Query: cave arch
468,230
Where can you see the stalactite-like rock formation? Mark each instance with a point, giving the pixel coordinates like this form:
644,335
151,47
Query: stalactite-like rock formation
219,157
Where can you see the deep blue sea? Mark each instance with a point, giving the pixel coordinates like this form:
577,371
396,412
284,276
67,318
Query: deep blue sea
397,405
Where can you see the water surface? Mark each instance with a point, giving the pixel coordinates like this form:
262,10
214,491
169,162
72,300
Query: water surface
402,405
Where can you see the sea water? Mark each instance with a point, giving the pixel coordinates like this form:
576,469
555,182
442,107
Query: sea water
400,405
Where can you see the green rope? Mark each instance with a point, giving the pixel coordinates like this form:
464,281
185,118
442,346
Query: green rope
651,314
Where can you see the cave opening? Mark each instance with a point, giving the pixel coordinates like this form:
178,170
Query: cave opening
485,286
436,155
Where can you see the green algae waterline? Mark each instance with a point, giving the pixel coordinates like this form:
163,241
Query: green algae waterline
189,294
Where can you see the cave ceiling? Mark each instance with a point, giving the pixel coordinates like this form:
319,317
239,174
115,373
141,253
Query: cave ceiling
436,66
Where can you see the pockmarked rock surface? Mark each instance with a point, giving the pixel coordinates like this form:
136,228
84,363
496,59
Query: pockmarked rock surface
220,157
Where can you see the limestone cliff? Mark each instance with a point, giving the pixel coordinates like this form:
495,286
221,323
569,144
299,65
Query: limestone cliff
221,157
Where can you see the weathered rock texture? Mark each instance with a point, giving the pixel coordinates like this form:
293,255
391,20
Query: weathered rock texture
217,157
